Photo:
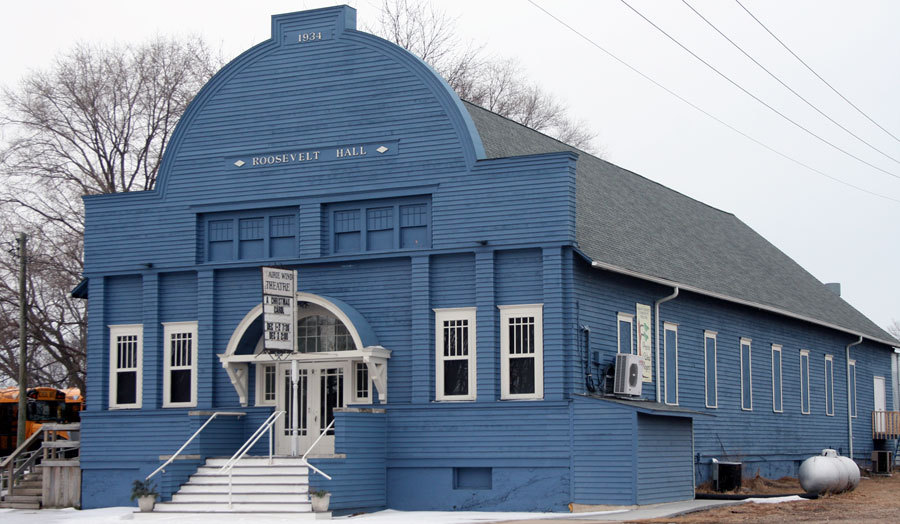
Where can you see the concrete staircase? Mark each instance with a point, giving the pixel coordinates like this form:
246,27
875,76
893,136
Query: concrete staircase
27,494
257,487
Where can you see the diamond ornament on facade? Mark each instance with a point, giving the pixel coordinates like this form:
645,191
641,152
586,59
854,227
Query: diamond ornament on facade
381,149
239,163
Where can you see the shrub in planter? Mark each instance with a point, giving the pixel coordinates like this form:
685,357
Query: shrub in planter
145,493
320,499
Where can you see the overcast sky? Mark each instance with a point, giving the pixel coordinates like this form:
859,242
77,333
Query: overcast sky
837,233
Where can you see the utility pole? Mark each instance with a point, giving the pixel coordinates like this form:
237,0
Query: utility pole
23,319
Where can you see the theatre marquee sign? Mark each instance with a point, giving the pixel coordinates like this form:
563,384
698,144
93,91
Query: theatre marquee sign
279,287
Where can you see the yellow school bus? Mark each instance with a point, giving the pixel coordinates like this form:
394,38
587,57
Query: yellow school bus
43,405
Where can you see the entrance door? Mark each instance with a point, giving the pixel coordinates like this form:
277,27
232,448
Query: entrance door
320,389
880,418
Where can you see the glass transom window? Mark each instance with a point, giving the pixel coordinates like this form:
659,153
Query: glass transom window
321,333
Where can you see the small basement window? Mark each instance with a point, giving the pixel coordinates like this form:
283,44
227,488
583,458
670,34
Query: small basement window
472,478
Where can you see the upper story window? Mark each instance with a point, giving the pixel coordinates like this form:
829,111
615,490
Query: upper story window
250,235
521,351
379,225
711,371
179,364
746,376
626,332
126,355
804,381
454,353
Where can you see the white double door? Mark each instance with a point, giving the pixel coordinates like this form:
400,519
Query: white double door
321,388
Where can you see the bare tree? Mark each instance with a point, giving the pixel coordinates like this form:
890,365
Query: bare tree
499,85
894,329
97,121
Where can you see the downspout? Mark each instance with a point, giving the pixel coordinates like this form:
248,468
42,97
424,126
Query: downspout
849,393
656,316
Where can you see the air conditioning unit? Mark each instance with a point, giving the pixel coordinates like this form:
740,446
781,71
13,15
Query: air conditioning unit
628,378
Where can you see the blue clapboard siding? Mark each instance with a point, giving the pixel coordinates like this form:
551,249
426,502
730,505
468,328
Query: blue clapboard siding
518,275
664,459
603,448
452,280
177,296
767,442
359,481
123,300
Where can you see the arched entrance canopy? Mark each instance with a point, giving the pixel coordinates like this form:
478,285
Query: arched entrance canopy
243,346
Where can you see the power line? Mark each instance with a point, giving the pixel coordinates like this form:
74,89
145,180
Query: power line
710,115
751,95
770,73
811,70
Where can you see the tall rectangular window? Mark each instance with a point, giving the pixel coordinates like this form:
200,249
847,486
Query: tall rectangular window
670,361
362,385
804,381
777,400
852,376
179,364
626,332
829,385
710,371
455,353
521,352
746,376
265,384
126,354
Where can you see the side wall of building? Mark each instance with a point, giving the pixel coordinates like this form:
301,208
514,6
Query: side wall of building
767,442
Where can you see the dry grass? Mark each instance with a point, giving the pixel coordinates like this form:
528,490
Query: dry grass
877,499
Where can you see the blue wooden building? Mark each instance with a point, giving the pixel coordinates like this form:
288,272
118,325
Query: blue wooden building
463,286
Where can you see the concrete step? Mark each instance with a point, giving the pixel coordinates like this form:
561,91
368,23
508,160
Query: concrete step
257,461
28,491
222,496
246,507
20,505
29,485
207,478
257,487
255,470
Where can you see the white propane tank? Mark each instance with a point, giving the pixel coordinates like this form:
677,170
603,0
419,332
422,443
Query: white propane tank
843,481
819,474
854,471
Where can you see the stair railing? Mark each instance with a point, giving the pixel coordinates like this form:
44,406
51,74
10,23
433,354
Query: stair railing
17,464
317,470
173,457
239,454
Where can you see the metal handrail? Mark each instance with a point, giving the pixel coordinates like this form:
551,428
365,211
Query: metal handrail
239,454
172,458
317,470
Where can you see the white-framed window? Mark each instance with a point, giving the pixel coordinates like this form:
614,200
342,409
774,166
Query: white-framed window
266,384
804,381
852,376
522,352
710,376
746,376
625,333
179,364
777,399
361,383
454,330
670,362
126,355
829,385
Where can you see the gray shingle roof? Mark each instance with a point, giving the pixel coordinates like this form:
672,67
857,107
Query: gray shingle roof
629,222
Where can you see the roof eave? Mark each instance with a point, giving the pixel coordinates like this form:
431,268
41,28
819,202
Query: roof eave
687,287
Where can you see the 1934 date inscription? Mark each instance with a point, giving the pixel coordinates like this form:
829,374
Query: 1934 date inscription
311,36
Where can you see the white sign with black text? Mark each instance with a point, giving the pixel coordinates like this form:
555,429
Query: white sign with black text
278,289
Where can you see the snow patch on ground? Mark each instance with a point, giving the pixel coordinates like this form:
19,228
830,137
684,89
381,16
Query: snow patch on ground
118,514
776,500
